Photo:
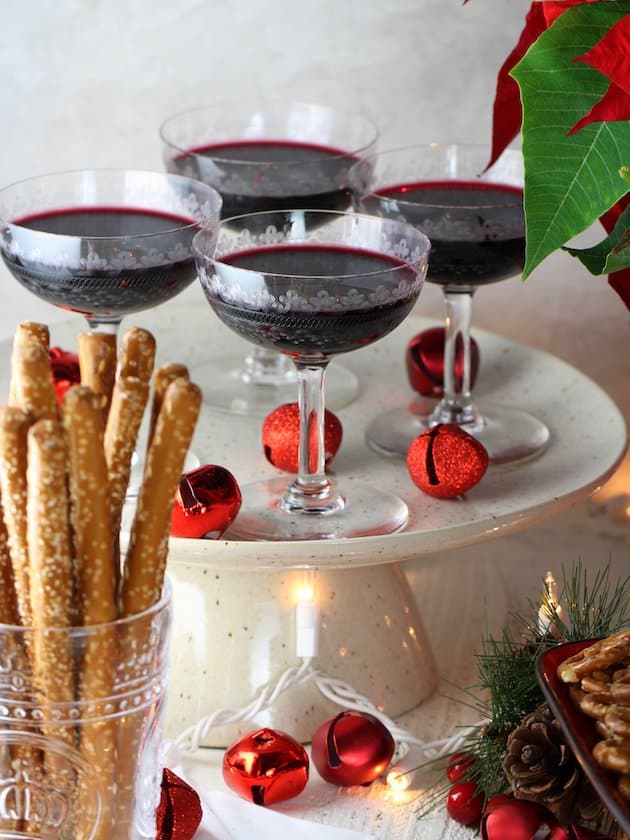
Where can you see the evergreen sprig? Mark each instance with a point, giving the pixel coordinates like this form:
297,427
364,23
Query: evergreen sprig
507,683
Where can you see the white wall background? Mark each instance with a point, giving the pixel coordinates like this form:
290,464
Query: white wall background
86,83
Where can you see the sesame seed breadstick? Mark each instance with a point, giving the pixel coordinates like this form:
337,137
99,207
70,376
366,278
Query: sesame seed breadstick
129,400
32,386
94,549
30,331
9,613
148,548
14,425
148,544
161,380
89,505
97,363
50,556
137,354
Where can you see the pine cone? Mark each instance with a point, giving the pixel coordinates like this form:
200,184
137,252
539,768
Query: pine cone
540,766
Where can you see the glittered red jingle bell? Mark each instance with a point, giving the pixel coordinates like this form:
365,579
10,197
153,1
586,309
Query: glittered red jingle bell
424,359
179,813
445,461
266,766
281,435
65,371
206,503
353,748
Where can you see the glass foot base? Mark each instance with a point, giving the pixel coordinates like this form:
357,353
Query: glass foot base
225,389
366,512
508,434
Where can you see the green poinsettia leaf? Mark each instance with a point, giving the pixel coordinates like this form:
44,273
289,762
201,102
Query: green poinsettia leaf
625,173
614,250
569,181
619,257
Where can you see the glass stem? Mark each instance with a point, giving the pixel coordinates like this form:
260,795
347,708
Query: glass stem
109,327
457,404
311,491
267,367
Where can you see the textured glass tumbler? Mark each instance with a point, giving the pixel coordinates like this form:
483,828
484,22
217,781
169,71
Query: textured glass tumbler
81,713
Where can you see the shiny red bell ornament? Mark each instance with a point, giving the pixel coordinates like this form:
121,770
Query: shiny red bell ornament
281,435
518,819
353,748
445,461
206,503
65,371
424,359
266,766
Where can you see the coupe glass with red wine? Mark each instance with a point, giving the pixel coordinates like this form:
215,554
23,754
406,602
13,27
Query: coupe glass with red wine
474,219
105,243
262,156
312,284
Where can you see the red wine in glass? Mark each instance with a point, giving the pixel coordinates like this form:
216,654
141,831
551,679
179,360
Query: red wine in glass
480,241
318,323
266,175
114,287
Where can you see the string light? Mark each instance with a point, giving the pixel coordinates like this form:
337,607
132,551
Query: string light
414,751
549,607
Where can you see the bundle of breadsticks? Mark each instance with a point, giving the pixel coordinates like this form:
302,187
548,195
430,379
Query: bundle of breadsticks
599,676
64,473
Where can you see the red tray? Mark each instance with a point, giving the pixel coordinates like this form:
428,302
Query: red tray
579,729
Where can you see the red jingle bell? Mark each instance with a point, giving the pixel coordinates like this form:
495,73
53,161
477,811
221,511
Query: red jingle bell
65,371
206,503
266,766
353,748
424,359
445,461
179,813
517,819
281,435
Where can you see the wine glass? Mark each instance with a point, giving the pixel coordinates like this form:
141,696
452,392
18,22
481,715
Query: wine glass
105,243
474,219
312,284
268,155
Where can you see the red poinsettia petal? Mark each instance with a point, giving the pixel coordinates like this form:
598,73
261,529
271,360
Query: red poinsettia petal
613,106
507,113
554,8
620,282
611,54
610,217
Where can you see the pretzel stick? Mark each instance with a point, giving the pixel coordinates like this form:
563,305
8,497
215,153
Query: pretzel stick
9,612
50,555
33,389
148,543
14,425
93,542
161,380
137,354
11,646
25,330
148,548
123,422
97,363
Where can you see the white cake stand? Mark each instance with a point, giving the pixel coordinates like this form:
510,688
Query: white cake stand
234,628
